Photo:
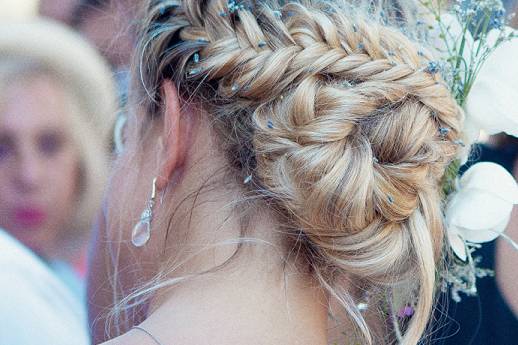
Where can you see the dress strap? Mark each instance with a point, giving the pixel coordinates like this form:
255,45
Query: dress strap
149,334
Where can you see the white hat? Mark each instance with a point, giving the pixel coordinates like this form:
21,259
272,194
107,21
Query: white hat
68,56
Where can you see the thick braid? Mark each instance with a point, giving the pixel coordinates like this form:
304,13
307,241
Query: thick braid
343,123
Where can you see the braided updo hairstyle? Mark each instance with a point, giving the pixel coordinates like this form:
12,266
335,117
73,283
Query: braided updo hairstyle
339,122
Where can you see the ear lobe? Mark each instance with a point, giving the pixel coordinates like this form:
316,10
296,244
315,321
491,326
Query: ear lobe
173,152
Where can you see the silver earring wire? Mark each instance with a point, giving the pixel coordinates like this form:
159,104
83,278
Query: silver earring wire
142,230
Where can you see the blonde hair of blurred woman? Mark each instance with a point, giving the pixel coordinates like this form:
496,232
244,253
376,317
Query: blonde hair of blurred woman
32,47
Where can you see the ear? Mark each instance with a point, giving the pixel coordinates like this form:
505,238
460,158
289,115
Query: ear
176,134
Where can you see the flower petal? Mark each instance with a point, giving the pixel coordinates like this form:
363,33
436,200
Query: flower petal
481,236
491,178
457,245
491,103
476,210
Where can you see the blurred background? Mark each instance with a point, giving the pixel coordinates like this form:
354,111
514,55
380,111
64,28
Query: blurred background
56,57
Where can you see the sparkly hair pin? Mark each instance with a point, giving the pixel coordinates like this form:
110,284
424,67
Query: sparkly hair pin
443,131
433,67
233,6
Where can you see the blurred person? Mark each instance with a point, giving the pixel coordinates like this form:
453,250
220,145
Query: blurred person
36,307
110,26
57,109
59,10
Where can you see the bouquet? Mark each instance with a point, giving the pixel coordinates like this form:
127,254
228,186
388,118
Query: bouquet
479,61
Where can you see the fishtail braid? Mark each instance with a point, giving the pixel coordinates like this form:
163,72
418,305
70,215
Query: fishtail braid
344,124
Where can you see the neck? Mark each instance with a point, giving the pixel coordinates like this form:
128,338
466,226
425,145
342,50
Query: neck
229,293
256,294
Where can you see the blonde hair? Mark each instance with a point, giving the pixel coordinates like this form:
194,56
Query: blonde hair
338,120
92,141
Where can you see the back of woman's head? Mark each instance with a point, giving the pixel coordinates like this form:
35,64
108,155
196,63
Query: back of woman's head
340,123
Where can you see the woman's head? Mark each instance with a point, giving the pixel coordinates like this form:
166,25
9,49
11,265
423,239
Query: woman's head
335,124
39,162
54,139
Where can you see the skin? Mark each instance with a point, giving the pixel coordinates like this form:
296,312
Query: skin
256,300
506,272
39,164
506,258
59,10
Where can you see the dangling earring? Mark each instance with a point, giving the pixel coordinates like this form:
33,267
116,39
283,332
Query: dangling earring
142,231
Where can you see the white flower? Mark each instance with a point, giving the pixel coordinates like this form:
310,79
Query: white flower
491,103
480,210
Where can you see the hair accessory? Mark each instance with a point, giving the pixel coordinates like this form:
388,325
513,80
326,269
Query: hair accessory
233,6
390,199
362,306
433,67
196,58
142,230
235,87
248,179
443,131
270,124
193,71
261,44
277,14
361,46
406,311
347,84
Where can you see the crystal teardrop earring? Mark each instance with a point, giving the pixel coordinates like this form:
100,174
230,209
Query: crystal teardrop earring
142,230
